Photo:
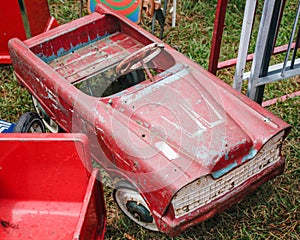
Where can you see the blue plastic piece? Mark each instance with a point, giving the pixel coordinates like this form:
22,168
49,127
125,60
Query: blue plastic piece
6,127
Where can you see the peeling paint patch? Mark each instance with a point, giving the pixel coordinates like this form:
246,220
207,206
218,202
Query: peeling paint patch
166,150
121,110
99,116
227,169
250,155
179,73
63,51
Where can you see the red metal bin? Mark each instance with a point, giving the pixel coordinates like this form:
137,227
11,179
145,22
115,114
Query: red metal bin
22,19
47,190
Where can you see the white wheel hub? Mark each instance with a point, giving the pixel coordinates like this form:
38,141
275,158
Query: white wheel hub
135,207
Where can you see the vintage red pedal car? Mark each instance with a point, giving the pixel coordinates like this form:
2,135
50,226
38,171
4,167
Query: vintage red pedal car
181,144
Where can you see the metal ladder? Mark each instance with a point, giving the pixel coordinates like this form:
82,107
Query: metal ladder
261,72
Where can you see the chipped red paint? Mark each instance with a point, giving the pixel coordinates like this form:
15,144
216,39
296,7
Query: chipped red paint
163,134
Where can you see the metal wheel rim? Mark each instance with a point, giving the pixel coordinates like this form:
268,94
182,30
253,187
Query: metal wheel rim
123,195
51,125
35,128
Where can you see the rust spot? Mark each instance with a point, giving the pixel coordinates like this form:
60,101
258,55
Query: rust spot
6,224
186,208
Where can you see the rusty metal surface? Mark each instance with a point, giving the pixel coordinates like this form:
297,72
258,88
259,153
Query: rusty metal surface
95,57
177,124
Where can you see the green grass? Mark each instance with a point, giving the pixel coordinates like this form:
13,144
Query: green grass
271,212
14,99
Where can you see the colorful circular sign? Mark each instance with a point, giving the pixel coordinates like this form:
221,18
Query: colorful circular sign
129,8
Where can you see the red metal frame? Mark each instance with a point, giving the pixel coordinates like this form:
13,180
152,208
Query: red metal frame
217,36
12,24
215,65
280,99
48,189
232,62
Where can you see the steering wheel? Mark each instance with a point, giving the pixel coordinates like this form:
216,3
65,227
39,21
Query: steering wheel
136,59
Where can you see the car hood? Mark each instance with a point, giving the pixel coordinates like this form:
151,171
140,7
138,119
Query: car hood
183,117
183,126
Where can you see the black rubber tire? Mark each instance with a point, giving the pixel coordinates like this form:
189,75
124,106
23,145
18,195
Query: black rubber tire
30,122
44,116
